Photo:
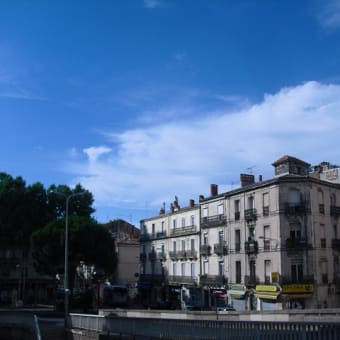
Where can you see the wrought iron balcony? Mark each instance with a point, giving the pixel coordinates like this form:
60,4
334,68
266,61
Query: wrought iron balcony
250,215
297,244
335,211
205,250
213,221
221,248
161,256
251,247
181,254
191,254
181,279
295,209
173,255
183,231
336,244
213,279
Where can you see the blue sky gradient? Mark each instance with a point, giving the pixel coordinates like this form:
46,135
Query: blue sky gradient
140,101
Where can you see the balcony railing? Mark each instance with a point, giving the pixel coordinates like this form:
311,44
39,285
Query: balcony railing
336,244
161,256
152,236
191,254
221,248
173,255
181,279
297,244
213,279
250,215
181,254
205,250
265,211
251,247
305,279
335,211
295,209
183,231
213,221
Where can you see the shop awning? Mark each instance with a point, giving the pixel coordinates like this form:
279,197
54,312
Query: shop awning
267,295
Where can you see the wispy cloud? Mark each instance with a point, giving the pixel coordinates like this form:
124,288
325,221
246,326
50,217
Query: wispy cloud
329,15
183,157
154,3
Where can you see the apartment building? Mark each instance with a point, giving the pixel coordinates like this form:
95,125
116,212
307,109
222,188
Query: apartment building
270,244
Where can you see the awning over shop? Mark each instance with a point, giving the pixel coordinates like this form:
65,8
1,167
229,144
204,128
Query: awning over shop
297,288
267,292
237,291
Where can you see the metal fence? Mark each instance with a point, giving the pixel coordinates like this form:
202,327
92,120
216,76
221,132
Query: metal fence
153,328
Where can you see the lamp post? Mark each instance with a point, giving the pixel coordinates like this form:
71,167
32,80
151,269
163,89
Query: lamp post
66,289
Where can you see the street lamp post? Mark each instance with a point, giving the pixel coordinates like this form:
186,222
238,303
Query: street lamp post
66,289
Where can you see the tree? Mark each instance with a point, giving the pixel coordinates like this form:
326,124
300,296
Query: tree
88,241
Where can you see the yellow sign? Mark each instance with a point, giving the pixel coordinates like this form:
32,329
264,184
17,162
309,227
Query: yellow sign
266,288
298,288
275,276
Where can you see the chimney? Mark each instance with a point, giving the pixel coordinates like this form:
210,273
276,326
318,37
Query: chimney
213,189
162,211
201,198
260,178
172,209
247,179
176,205
192,203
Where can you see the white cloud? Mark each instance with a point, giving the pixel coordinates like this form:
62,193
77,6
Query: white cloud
183,157
329,16
153,3
95,152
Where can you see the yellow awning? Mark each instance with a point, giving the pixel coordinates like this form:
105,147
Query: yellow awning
236,294
267,295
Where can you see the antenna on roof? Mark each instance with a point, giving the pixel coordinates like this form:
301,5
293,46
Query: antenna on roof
250,169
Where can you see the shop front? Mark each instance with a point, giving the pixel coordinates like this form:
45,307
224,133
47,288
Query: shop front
268,297
296,295
237,296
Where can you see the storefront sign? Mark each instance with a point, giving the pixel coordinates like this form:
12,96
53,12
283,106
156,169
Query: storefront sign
298,288
266,288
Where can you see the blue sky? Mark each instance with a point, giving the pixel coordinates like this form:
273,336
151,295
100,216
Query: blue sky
142,100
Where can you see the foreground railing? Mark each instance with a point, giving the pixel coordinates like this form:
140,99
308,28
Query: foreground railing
205,329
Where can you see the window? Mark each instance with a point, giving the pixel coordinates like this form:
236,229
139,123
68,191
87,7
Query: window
238,271
297,272
251,202
174,246
153,229
265,201
321,202
294,197
174,223
205,267
335,231
333,200
183,245
237,210
324,271
174,268
266,237
322,236
220,209
205,215
192,220
192,270
237,240
162,227
162,248
193,244
221,237
183,269
267,270
205,239
251,233
221,268
183,222
295,232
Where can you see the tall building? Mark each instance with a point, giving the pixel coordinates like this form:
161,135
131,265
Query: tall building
270,244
